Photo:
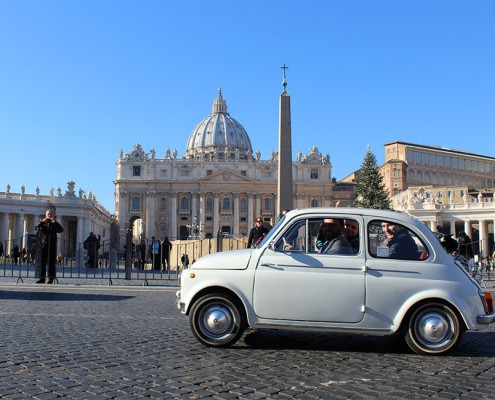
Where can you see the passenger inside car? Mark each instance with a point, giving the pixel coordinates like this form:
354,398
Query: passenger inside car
333,239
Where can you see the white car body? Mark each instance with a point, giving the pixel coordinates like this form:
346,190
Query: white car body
271,288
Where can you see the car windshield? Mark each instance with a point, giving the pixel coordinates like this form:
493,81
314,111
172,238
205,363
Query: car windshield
271,232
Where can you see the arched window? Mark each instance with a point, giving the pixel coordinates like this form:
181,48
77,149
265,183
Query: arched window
184,203
226,203
243,205
136,204
209,204
268,203
314,203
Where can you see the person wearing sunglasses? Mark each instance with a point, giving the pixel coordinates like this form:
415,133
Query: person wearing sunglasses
257,233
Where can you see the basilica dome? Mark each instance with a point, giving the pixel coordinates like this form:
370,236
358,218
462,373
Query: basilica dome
219,136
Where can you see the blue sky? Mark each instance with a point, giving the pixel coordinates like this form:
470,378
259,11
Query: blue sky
79,80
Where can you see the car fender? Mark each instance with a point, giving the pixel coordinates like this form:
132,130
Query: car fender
467,309
210,282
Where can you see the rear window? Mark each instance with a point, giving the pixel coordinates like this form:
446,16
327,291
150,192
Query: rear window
388,239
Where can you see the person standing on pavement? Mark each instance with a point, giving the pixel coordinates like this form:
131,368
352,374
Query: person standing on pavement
47,230
257,233
155,253
92,245
166,249
142,254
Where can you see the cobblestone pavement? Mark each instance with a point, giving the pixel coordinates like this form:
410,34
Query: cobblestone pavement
78,342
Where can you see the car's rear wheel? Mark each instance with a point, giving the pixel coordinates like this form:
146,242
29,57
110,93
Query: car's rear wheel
433,328
217,320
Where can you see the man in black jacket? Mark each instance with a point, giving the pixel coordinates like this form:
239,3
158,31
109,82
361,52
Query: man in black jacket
48,229
257,233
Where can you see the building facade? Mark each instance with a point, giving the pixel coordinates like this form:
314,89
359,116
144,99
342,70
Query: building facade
407,164
455,209
219,185
77,213
441,186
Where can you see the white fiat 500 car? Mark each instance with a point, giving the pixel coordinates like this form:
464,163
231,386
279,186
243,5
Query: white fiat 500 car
343,270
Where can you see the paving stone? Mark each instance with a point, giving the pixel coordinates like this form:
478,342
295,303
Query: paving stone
120,343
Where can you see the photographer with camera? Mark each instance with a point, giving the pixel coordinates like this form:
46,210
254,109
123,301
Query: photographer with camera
47,230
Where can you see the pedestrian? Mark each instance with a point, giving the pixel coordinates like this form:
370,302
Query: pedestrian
155,253
185,261
142,254
16,253
257,233
92,245
166,249
47,230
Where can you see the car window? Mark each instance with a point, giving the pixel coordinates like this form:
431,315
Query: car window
321,235
387,239
294,238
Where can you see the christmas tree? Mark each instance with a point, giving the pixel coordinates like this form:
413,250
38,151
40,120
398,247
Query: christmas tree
370,189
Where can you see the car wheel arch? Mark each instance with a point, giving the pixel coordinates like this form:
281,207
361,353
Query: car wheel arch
430,300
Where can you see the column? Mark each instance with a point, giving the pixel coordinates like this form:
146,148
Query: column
4,227
433,226
257,205
80,237
19,230
216,213
483,245
452,227
150,215
467,229
250,209
173,217
194,206
235,216
201,217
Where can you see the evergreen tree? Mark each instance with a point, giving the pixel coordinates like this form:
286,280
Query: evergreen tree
370,189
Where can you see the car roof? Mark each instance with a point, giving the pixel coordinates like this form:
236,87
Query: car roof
365,212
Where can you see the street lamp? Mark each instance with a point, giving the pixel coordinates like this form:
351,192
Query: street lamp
195,229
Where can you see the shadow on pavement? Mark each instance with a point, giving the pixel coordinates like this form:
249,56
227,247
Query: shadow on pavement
57,296
473,344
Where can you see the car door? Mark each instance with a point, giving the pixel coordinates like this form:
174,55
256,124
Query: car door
304,285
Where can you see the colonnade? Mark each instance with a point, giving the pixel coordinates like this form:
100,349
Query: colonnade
484,244
16,226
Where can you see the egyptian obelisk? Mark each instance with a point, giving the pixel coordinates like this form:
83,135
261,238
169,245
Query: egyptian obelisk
285,195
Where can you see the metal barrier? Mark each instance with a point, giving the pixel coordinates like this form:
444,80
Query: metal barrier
105,262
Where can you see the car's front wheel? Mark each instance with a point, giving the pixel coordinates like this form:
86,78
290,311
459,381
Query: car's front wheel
217,320
433,328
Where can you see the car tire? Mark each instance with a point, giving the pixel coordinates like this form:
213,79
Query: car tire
433,328
217,320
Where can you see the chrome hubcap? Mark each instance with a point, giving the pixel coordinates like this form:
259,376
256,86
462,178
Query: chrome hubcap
217,321
433,328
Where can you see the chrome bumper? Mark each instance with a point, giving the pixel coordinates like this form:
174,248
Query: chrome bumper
178,303
486,318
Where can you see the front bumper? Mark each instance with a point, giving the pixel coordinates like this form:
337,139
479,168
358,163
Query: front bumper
178,303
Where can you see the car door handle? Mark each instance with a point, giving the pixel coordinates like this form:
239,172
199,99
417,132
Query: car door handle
271,265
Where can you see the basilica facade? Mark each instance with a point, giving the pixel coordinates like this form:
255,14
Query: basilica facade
220,185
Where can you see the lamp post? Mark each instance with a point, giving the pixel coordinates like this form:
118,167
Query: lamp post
195,229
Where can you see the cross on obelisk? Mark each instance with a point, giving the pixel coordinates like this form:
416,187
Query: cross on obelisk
285,78
285,191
